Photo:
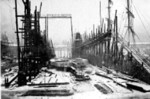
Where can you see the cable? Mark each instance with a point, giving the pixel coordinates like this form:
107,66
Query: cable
7,3
124,26
123,31
141,21
144,18
121,20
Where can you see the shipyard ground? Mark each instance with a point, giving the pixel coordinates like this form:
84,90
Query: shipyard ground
76,79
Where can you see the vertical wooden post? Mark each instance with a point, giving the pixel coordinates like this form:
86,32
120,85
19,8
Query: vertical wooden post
100,14
71,35
17,34
116,35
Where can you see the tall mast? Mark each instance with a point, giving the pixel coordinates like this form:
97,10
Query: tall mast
128,9
130,21
109,17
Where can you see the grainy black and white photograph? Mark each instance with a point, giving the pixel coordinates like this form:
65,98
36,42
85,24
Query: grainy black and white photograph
75,49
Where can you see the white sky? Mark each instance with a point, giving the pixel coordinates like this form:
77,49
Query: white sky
85,13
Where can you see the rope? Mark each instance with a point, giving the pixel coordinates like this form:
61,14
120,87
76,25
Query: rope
121,22
141,21
144,18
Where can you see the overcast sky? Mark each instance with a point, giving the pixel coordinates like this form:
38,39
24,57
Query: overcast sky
85,13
